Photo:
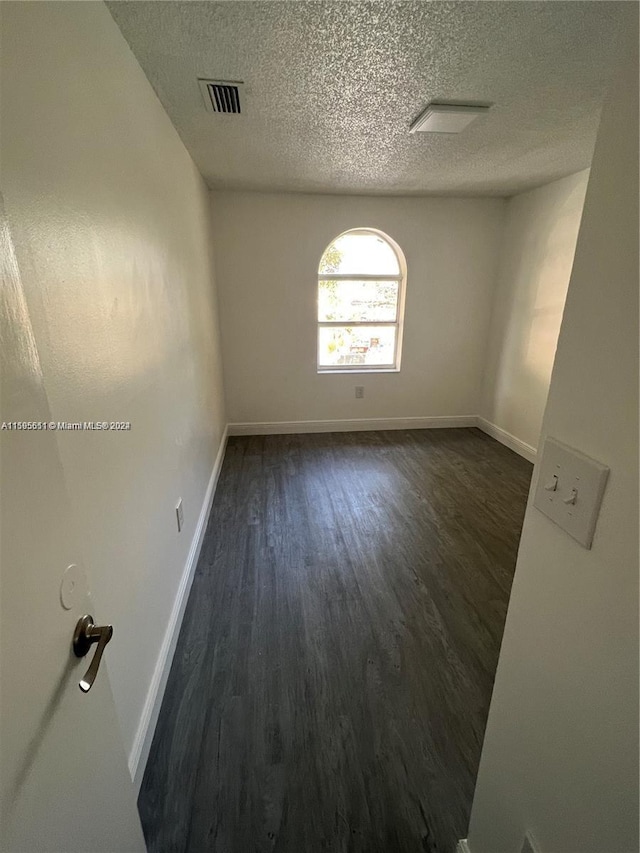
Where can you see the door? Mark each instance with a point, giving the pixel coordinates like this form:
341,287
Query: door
65,785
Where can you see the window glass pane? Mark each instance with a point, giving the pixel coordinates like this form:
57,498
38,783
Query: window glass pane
339,346
357,301
359,253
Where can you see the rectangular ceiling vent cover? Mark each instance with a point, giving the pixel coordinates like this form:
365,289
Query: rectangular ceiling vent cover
221,96
447,118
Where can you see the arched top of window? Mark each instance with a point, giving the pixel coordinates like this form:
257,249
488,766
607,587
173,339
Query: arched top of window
360,252
361,280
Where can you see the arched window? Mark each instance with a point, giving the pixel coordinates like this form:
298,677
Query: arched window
361,281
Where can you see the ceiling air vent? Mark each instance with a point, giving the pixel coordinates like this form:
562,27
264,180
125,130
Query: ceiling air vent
221,96
447,118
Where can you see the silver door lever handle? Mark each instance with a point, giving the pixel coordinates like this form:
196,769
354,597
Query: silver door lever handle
85,635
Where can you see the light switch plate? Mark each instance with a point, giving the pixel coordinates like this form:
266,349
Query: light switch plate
575,476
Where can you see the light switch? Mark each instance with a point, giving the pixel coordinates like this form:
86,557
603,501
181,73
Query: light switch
570,488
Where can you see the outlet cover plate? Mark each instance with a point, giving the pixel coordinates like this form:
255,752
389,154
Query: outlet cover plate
570,470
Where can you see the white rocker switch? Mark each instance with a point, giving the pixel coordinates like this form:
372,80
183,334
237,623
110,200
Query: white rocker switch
570,488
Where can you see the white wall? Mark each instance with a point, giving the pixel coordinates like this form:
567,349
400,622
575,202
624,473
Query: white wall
267,252
561,748
111,223
537,252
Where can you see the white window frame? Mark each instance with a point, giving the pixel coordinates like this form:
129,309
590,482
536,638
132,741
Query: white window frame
398,323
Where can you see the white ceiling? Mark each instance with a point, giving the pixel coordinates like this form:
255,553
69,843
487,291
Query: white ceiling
332,88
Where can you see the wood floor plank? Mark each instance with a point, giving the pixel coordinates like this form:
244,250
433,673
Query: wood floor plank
332,678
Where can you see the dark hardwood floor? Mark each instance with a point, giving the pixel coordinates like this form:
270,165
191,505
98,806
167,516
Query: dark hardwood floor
333,674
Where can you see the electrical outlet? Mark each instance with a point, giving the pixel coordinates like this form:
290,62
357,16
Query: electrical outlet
529,845
179,515
359,392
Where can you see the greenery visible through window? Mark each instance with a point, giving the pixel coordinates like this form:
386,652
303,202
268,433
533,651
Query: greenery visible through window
360,295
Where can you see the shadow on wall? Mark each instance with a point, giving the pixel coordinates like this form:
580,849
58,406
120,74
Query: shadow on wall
537,256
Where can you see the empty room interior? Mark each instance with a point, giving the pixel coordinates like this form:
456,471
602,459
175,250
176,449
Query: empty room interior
319,441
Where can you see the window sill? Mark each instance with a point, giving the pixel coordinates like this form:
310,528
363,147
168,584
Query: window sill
359,370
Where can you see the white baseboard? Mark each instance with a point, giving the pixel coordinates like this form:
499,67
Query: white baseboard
365,424
351,425
463,846
146,728
510,441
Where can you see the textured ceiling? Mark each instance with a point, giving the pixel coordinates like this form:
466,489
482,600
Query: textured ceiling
332,88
